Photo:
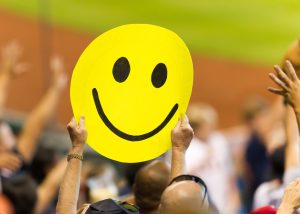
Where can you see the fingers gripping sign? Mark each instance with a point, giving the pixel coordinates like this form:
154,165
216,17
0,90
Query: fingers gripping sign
182,134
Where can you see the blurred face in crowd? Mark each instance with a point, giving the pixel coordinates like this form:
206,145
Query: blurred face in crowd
259,120
256,114
182,198
203,119
203,131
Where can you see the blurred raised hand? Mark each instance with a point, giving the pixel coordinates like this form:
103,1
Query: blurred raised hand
11,59
43,112
10,161
59,79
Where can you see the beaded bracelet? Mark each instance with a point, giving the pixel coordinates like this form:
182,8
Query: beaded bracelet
76,156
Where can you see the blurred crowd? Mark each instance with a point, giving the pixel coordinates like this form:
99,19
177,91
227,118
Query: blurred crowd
253,167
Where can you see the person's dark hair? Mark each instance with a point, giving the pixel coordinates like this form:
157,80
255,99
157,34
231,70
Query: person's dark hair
150,182
42,162
21,190
130,170
277,163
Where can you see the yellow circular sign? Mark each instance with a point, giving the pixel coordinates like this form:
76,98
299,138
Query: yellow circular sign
132,83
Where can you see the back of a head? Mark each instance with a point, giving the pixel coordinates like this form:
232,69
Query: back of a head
42,162
200,114
150,182
185,197
21,190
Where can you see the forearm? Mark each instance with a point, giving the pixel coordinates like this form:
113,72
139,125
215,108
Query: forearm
292,140
4,83
45,109
297,113
178,166
69,189
48,189
276,113
35,123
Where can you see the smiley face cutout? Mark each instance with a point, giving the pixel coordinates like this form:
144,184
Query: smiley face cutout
132,83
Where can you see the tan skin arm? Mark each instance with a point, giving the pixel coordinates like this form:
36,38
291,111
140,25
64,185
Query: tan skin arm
276,113
292,156
69,189
47,190
10,67
291,198
181,136
42,113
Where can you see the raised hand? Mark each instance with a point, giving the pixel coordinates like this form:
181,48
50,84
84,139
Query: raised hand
10,161
289,84
59,76
10,59
182,134
77,133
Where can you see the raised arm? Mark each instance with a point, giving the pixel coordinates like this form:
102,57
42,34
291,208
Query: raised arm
10,67
181,136
69,189
48,189
38,118
289,87
292,156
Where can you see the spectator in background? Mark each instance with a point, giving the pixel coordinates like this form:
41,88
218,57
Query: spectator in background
285,165
290,89
252,141
261,135
17,154
209,155
271,192
256,114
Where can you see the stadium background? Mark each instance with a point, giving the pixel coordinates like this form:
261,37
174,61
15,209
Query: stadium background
233,43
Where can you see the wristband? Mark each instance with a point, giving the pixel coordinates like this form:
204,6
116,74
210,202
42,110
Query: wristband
76,156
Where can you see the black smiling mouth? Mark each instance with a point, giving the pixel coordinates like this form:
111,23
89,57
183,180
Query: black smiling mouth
123,134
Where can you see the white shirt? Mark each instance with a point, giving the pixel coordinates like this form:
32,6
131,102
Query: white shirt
212,162
270,193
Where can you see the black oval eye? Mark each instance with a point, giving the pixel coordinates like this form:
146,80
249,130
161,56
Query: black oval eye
159,75
121,69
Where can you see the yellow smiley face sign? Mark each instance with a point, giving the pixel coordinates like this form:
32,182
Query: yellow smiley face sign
132,83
